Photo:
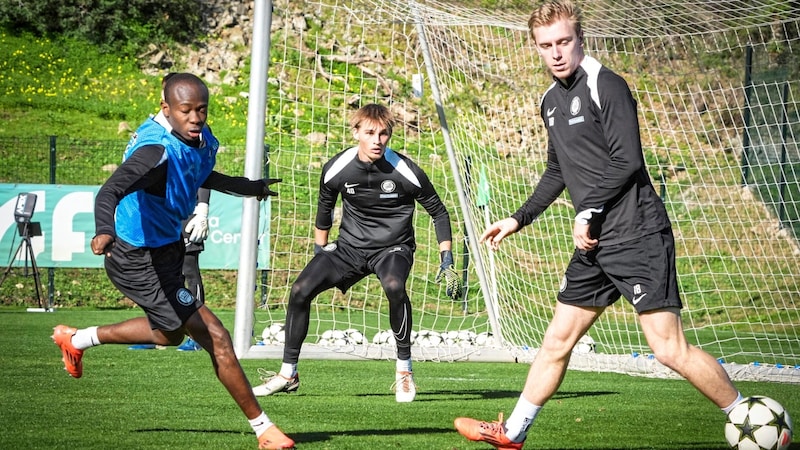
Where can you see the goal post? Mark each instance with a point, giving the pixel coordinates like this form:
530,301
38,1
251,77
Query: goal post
737,246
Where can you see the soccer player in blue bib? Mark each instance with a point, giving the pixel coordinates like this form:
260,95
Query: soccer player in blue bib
139,214
623,238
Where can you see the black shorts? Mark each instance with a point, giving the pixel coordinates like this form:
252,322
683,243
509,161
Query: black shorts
353,264
153,279
642,270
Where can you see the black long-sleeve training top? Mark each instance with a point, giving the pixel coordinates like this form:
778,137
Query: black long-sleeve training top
378,200
595,152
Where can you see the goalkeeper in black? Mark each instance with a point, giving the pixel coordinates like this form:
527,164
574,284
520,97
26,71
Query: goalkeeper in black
379,189
623,241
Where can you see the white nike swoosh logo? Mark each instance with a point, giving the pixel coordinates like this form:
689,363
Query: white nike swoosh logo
550,111
350,185
639,298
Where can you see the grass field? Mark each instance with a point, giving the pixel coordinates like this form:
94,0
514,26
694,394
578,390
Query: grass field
171,400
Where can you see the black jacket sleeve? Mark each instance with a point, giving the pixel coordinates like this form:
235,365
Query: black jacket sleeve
430,200
203,195
140,171
621,130
549,188
236,186
325,205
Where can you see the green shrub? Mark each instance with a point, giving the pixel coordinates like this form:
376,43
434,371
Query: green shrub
120,25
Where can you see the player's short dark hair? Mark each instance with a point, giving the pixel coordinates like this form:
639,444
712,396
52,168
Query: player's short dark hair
164,83
171,81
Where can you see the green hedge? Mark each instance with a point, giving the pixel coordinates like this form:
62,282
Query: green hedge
120,25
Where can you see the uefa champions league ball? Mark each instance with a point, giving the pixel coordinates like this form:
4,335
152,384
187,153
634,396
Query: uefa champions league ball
758,423
273,334
585,345
339,338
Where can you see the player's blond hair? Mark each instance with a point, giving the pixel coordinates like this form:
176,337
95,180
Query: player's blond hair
373,112
552,11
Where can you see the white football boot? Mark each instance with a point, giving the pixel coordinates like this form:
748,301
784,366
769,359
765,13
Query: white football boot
404,387
274,383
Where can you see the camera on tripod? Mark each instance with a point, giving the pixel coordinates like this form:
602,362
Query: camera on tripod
26,202
23,213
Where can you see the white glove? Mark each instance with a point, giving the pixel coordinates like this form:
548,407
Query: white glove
197,227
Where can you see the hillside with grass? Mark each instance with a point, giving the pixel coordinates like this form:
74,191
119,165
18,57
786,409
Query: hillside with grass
91,99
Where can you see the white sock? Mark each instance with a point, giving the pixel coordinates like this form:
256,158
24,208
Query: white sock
521,419
728,408
260,424
288,370
85,338
403,365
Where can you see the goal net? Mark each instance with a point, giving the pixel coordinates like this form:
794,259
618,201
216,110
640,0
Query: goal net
716,83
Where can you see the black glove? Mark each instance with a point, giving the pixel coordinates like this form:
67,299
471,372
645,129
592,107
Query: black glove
267,191
453,287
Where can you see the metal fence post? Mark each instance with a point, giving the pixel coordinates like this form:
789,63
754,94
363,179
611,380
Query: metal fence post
51,272
748,87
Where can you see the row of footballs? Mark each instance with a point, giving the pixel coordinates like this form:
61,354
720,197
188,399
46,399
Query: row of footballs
430,338
275,334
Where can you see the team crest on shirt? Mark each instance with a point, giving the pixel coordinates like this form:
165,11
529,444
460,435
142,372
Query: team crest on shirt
388,189
575,109
185,297
388,186
575,106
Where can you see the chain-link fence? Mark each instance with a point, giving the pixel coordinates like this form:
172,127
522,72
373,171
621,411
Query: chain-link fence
60,160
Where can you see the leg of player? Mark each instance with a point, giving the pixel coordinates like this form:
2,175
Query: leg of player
392,269
210,331
546,373
73,342
664,333
211,334
405,388
318,275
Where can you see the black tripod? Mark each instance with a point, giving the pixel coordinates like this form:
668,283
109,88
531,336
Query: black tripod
27,230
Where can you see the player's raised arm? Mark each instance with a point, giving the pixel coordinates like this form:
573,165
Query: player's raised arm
241,186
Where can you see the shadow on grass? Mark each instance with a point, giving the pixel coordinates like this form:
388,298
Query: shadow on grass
321,436
314,436
447,394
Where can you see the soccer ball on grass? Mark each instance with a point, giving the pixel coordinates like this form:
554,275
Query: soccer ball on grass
758,423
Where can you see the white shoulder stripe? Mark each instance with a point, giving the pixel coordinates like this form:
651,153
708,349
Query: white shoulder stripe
550,88
592,68
347,156
401,167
